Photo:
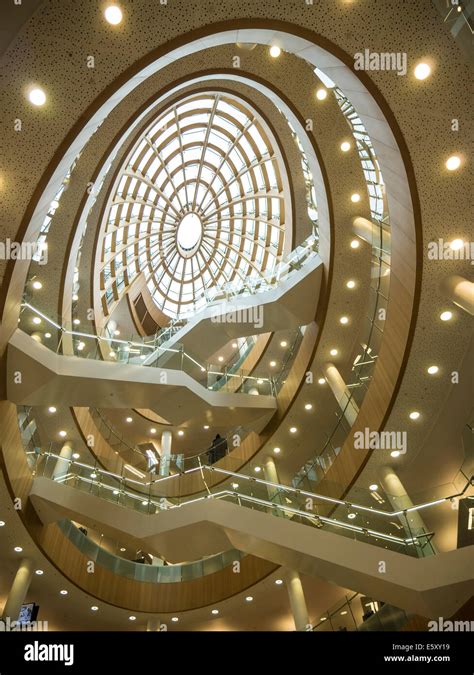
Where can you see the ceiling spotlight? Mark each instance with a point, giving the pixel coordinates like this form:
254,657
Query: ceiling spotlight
355,197
333,352
321,94
249,598
234,486
75,455
308,406
446,316
414,415
293,430
52,409
132,618
257,469
283,343
234,345
93,475
63,592
94,608
37,96
76,322
453,163
221,358
37,285
117,332
432,370
47,335
18,549
350,284
180,433
123,549
36,320
278,582
62,433
275,51
115,492
75,297
355,243
343,320
346,146
351,516
395,453
215,611
321,380
422,71
153,430
129,419
39,572
174,619
456,244
2,523
277,451
272,364
113,14
373,487
206,426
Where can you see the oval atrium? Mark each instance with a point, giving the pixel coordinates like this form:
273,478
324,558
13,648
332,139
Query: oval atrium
236,315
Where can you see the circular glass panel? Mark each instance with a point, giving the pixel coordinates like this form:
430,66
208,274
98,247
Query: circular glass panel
188,234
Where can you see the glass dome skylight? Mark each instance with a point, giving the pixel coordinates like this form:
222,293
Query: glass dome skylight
198,203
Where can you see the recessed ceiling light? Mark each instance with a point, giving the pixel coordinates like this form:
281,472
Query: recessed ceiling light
272,364
36,320
321,94
153,430
355,243
321,380
351,516
75,455
215,611
52,409
37,96
174,619
453,163
345,146
278,582
343,613
62,433
308,406
373,487
234,486
94,608
129,419
275,51
343,320
456,244
76,322
277,451
37,285
446,316
39,572
283,343
350,284
63,592
293,430
422,71
75,297
113,14
221,358
333,352
132,618
257,469
180,433
93,475
2,523
47,335
414,415
395,453
259,381
249,598
18,549
112,355
234,345
206,426
432,370
144,502
115,492
123,549
355,197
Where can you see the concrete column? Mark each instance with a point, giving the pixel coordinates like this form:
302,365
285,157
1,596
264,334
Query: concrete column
64,462
19,589
460,291
297,600
341,392
270,473
166,439
399,499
